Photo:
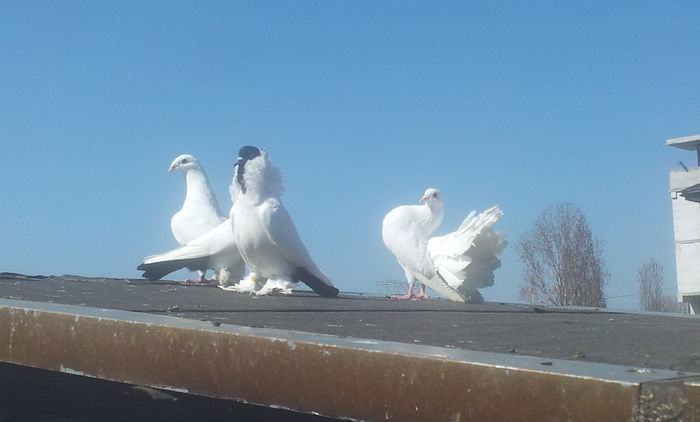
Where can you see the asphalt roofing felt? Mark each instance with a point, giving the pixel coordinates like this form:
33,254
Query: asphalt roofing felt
636,339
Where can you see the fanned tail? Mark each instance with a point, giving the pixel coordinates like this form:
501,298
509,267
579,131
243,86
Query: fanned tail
466,258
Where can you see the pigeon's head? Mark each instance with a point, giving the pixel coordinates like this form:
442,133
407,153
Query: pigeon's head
184,163
431,197
245,154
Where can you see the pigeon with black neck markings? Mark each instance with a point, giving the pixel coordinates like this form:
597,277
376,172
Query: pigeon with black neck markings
454,265
264,231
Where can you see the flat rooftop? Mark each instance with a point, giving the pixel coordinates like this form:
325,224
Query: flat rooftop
644,340
383,338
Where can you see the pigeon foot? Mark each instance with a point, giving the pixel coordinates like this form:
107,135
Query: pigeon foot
405,297
199,281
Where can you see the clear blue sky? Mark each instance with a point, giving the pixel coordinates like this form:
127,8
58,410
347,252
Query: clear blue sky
362,105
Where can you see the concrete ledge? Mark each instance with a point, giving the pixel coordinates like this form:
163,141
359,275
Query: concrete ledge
685,142
340,377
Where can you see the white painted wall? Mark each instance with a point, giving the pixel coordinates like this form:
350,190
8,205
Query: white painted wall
686,228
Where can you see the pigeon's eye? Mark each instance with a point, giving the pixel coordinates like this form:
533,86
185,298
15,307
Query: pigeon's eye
185,161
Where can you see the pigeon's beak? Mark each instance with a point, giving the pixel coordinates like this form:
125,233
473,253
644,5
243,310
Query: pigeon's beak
171,169
424,198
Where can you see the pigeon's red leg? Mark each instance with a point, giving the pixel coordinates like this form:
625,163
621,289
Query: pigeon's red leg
408,295
422,294
202,279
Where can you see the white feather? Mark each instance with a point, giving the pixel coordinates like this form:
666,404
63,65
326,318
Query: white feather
200,211
201,229
264,231
442,263
217,247
453,253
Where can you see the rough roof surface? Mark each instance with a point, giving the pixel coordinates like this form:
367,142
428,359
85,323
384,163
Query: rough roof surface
635,339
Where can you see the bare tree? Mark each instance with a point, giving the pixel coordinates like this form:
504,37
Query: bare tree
563,263
651,277
651,297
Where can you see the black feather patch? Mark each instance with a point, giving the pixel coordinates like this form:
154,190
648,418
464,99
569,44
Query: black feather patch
245,154
158,270
316,284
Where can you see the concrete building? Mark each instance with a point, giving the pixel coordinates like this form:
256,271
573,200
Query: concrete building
685,198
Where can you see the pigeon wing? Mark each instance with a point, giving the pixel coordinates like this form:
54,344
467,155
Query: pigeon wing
155,267
281,231
404,241
437,283
195,255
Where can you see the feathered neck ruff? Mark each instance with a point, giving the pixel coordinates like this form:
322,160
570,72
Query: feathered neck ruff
262,180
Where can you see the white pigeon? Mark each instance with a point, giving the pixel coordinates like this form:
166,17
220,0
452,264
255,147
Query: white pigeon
264,231
453,265
200,212
214,250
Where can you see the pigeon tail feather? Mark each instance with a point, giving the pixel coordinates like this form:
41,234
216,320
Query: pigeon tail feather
157,270
471,252
317,285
